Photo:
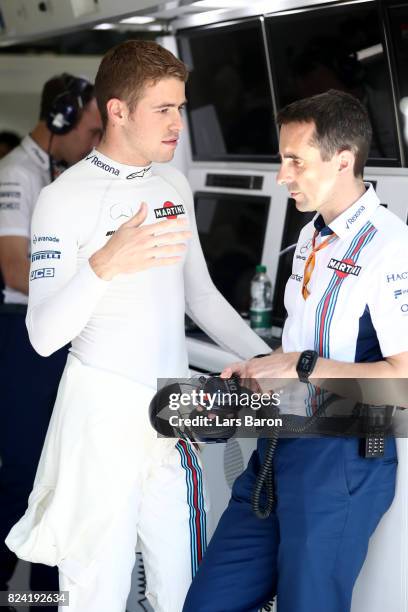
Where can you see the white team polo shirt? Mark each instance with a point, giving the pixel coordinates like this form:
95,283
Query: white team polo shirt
358,307
23,173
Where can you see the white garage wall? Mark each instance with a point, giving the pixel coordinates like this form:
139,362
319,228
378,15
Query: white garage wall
22,78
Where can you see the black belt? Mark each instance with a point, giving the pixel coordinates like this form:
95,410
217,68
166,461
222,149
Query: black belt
6,309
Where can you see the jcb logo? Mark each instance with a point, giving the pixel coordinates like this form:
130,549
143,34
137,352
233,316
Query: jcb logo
42,273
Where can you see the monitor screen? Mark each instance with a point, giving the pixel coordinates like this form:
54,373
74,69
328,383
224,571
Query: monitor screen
232,231
398,38
336,47
294,221
229,106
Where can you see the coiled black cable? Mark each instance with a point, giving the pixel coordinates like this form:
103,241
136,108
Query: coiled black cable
265,474
265,479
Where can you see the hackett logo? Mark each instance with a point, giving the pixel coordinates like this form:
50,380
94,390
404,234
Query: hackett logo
397,277
169,210
344,267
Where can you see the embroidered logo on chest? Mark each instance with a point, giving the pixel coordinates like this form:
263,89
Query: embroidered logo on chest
344,267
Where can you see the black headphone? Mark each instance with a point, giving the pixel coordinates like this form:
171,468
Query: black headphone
66,106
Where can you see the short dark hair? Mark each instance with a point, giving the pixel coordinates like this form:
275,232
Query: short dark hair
341,123
60,84
127,68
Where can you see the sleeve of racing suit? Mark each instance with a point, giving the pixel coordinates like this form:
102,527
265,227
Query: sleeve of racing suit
15,198
204,303
62,295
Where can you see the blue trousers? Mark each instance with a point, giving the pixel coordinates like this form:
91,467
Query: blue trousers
309,552
28,387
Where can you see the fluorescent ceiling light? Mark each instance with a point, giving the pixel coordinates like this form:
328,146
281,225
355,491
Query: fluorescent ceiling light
137,20
104,26
370,52
220,4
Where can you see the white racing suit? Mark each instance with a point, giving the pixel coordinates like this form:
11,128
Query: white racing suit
104,481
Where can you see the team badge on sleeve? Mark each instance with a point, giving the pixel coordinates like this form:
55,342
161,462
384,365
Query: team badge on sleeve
169,211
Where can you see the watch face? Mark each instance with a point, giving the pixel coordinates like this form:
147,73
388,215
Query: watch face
305,361
306,364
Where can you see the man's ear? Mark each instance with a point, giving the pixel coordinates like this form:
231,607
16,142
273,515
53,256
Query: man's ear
345,161
117,110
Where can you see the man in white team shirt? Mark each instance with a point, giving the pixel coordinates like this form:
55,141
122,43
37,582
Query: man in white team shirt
346,319
28,382
130,265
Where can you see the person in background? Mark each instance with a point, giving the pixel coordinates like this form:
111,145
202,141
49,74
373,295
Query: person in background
8,142
69,126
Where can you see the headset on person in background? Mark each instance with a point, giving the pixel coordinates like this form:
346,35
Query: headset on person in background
66,108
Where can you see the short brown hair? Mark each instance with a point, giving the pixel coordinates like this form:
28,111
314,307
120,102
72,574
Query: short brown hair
128,67
341,123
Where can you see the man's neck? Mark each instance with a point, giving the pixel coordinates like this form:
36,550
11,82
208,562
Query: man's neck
41,136
346,198
120,152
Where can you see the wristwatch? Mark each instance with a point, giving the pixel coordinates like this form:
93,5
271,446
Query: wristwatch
306,364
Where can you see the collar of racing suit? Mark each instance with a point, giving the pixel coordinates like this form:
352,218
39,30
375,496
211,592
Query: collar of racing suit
116,169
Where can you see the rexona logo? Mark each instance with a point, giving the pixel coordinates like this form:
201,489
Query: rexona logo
94,159
169,210
344,267
46,255
354,217
42,273
44,239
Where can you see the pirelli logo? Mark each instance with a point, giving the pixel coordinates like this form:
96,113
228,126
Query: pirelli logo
169,210
46,255
344,267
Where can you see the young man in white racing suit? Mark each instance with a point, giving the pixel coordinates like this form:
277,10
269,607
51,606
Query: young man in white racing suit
130,265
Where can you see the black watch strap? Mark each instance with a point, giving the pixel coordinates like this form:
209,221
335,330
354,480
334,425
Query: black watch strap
306,364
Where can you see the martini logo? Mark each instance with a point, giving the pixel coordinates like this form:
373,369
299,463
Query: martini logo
169,211
344,267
